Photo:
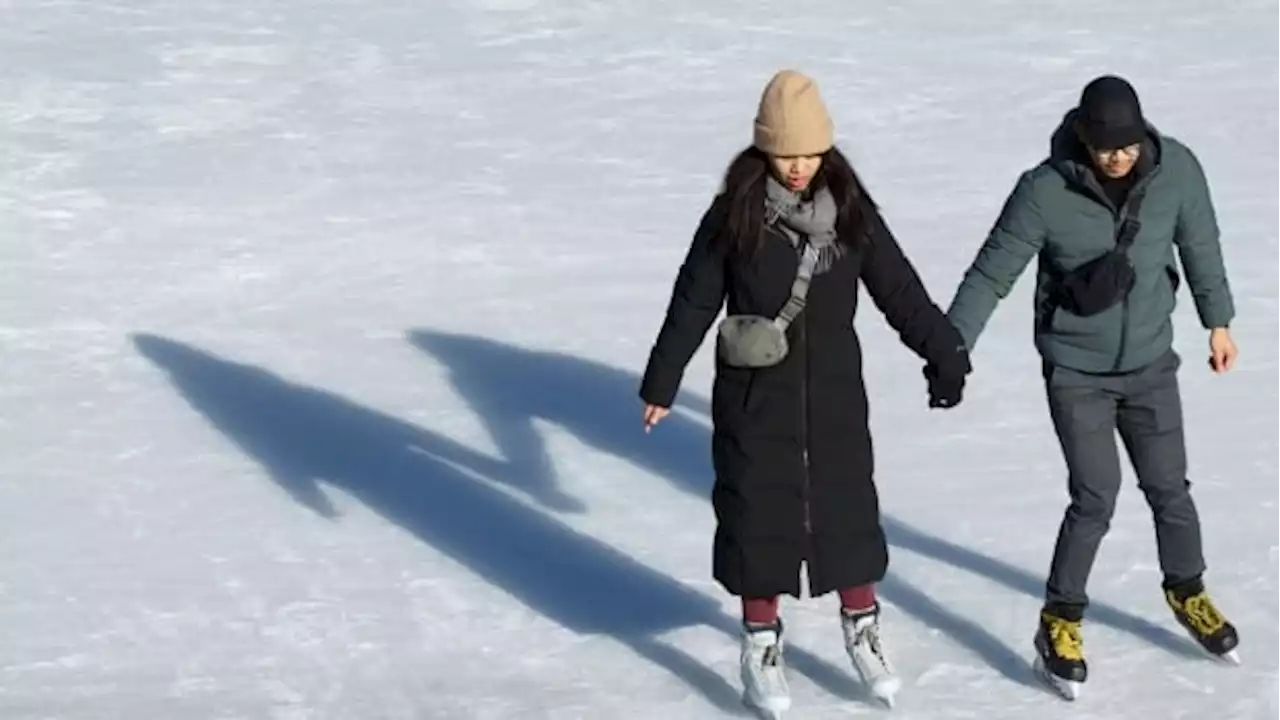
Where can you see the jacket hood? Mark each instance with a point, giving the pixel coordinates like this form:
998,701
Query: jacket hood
1068,155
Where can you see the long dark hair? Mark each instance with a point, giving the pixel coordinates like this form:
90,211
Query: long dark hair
744,193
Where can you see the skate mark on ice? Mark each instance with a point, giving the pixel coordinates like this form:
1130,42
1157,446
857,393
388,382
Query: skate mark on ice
438,490
1012,665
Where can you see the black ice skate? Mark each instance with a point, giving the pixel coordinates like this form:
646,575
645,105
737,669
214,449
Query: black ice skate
1202,620
1060,654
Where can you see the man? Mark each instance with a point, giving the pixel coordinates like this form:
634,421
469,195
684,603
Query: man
1104,214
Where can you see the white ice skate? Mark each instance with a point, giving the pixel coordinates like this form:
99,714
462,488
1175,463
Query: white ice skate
862,640
764,680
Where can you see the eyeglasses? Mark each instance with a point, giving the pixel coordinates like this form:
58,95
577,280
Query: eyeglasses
1129,151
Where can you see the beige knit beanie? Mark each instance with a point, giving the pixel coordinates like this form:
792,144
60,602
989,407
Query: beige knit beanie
792,119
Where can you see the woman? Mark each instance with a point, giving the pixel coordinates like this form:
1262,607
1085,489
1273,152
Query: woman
791,446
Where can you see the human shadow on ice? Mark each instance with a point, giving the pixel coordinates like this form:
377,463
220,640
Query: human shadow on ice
438,490
510,387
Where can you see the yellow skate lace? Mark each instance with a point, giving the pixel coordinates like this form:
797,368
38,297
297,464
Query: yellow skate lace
1201,613
1065,637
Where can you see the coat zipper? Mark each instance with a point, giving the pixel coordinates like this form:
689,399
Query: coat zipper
804,420
1118,217
1124,335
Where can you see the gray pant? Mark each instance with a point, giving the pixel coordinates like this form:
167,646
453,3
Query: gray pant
1146,407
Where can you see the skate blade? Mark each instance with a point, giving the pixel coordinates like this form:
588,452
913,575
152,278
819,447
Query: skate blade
768,709
884,689
886,692
1230,657
1068,689
765,713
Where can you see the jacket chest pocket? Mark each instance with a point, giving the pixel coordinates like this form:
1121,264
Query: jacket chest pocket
1159,216
1078,231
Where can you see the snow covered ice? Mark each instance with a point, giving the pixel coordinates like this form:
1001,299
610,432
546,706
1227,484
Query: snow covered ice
320,326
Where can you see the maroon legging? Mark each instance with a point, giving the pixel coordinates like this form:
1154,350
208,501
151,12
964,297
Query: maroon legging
764,611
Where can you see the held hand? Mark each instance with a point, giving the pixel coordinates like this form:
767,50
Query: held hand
944,391
945,375
1222,350
653,414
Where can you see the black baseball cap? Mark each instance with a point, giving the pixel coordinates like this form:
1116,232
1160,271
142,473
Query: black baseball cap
1110,115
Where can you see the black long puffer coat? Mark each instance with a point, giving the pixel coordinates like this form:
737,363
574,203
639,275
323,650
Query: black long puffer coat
791,447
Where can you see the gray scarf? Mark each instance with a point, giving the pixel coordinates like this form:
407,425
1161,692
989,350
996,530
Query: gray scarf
814,220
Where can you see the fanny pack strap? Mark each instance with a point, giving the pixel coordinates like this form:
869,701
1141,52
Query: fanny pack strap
1130,226
799,288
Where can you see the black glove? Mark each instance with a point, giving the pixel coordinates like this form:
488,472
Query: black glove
945,391
946,379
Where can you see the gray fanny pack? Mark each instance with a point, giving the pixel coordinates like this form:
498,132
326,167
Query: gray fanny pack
755,341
